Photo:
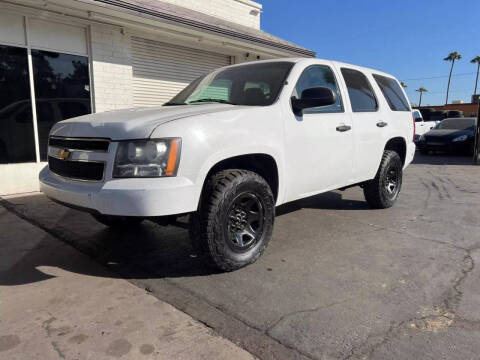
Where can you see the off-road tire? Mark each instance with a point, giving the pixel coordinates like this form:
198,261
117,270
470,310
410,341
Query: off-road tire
209,224
375,191
119,222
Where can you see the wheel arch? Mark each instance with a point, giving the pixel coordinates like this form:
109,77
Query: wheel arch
399,145
261,163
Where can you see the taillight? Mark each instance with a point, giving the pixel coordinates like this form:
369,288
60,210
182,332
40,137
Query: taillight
413,117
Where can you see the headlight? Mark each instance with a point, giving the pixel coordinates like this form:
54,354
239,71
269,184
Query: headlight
147,158
460,138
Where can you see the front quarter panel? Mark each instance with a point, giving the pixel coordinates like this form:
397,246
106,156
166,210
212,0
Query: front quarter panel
209,139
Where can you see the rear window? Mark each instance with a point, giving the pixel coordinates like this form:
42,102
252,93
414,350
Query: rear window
360,91
457,124
392,92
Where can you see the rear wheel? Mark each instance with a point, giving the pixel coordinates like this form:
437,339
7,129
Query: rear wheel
382,192
117,221
234,222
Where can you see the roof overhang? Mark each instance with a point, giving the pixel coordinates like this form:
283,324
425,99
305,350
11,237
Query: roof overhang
151,10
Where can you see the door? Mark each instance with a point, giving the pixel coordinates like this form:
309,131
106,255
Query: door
319,142
369,122
161,70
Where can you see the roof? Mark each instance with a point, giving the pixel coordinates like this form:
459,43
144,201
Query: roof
174,14
321,61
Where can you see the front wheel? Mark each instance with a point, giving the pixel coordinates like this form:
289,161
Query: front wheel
234,221
382,192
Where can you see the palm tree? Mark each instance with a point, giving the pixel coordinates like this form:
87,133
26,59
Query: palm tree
421,91
403,84
451,58
476,60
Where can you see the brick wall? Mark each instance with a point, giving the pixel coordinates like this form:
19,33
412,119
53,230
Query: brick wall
111,67
244,12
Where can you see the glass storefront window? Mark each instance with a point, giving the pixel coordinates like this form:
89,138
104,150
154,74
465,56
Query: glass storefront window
17,142
62,90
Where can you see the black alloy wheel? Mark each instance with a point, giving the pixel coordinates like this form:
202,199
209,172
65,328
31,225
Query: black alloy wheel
382,191
234,221
245,221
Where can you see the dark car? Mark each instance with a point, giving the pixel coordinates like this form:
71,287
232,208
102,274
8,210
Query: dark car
454,113
452,135
438,115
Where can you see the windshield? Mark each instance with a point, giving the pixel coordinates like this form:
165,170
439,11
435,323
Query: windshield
253,84
457,124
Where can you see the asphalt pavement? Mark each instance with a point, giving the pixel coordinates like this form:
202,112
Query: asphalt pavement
338,280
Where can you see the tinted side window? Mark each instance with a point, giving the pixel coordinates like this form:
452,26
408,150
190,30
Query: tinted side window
360,91
392,92
319,75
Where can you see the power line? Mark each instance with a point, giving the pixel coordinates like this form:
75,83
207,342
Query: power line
440,77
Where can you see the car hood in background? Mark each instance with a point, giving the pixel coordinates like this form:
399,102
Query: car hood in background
446,134
134,123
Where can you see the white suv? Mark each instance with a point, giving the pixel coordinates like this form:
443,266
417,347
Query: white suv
422,126
231,146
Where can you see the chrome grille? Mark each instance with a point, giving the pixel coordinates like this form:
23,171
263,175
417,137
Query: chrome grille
78,158
86,144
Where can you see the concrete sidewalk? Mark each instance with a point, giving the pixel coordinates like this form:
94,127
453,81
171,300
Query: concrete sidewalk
74,308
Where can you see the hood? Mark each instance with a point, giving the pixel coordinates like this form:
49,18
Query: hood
134,123
447,134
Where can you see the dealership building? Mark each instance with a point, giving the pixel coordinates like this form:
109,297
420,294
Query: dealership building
64,58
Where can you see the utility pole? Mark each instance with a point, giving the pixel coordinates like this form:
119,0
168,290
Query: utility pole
476,148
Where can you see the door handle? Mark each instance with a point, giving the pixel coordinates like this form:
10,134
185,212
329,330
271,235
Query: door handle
343,128
382,124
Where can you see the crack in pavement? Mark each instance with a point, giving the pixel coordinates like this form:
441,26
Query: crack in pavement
296,312
444,318
47,326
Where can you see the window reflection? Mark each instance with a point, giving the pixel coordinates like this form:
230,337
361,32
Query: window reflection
319,75
61,90
17,142
360,91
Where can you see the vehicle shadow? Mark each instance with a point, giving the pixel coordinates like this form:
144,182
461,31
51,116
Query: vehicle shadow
442,159
332,200
143,252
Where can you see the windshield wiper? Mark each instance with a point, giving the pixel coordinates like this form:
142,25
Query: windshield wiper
173,104
212,100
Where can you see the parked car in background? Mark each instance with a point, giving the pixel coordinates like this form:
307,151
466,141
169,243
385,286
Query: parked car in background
453,135
426,113
454,113
421,125
16,119
231,146
438,115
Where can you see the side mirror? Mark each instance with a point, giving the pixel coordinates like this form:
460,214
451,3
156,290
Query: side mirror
313,97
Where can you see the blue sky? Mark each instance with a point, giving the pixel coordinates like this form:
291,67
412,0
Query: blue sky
407,38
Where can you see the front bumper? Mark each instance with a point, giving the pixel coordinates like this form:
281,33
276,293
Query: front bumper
446,147
145,197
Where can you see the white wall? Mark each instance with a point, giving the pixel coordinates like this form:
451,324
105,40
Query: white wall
244,12
19,178
111,68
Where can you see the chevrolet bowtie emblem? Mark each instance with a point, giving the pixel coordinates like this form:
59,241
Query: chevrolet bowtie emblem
63,154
